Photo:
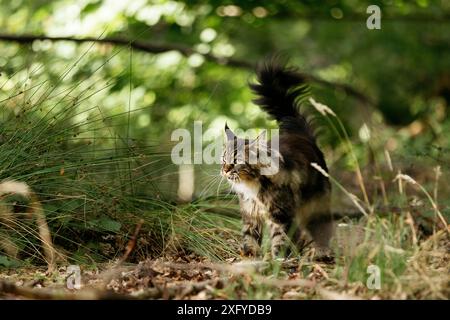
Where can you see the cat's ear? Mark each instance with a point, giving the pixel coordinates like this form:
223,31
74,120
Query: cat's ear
230,135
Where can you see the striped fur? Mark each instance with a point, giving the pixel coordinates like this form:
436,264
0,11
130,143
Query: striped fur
297,197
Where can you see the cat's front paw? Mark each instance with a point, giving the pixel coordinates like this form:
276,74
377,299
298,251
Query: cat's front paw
324,255
280,252
249,250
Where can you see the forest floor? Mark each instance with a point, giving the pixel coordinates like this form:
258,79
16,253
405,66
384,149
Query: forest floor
194,277
397,252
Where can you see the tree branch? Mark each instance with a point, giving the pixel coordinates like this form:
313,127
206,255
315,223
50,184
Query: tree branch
184,50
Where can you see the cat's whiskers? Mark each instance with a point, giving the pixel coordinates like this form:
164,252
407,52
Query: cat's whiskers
208,186
220,184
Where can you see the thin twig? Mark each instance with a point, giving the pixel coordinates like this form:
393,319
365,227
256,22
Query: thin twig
61,294
184,50
132,243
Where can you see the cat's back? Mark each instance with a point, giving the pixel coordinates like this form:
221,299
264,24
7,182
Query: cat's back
299,149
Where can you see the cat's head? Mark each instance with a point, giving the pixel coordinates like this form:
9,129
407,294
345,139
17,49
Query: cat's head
246,160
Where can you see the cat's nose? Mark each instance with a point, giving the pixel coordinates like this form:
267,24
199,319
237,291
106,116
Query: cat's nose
231,174
229,171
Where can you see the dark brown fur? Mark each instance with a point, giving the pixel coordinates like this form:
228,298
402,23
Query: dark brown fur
297,197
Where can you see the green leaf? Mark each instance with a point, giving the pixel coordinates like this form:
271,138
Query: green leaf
106,224
8,263
91,7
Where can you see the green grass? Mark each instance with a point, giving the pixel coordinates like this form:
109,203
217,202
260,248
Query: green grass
93,179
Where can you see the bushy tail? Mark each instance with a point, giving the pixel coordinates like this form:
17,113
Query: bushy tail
279,90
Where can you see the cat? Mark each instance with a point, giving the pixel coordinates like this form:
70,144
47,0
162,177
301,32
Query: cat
295,200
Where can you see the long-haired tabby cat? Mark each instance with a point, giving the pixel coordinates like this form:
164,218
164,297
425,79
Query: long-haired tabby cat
294,199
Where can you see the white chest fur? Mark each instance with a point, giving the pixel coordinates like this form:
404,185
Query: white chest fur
247,190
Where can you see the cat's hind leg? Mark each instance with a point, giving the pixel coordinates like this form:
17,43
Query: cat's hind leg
321,230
